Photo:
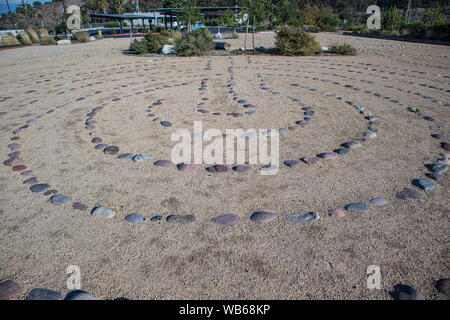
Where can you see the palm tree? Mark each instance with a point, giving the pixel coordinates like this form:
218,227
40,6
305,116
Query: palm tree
118,5
103,5
9,14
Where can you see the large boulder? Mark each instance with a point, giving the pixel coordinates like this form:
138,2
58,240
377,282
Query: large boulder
168,49
66,41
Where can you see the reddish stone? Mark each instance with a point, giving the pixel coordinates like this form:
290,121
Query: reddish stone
20,167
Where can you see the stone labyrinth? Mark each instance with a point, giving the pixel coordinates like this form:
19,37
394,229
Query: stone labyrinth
340,78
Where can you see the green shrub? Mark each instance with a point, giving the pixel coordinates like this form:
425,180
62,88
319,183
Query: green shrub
140,46
214,22
195,43
356,27
343,49
292,41
24,39
82,36
440,30
48,41
153,42
33,35
393,19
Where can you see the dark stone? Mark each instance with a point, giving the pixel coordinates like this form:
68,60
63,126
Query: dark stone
218,168
79,206
10,290
443,286
357,207
40,187
111,150
163,163
79,295
263,216
408,193
242,168
43,294
405,292
134,218
226,220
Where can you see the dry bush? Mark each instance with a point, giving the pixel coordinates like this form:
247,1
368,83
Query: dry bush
293,41
195,43
343,49
33,35
24,38
82,36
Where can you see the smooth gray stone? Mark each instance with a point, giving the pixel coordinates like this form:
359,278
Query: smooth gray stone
263,216
32,180
378,202
351,145
226,220
60,199
437,168
304,217
134,218
408,193
341,151
43,294
370,134
166,124
40,187
142,158
425,184
79,206
292,163
125,156
283,131
182,219
435,176
79,295
357,207
103,212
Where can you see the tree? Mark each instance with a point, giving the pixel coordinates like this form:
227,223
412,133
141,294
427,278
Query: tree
118,6
287,12
259,9
310,13
432,15
102,5
393,19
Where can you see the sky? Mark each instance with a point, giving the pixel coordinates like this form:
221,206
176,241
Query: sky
14,3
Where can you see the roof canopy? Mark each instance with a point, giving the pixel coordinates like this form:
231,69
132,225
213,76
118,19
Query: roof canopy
172,11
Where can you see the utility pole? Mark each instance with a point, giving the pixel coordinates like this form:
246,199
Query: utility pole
65,17
9,15
26,12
